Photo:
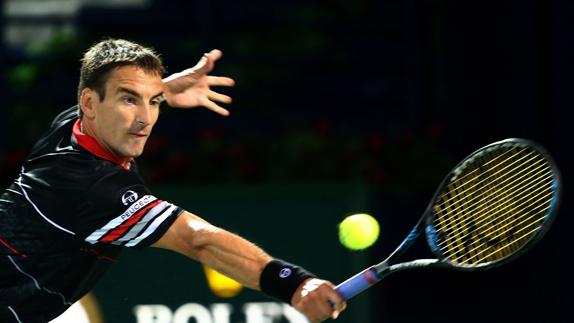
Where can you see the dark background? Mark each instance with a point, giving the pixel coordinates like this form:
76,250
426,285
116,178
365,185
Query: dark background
390,93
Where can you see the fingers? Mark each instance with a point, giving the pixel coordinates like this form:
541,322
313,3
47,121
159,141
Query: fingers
203,67
207,62
214,55
338,306
215,108
319,300
214,96
335,300
220,81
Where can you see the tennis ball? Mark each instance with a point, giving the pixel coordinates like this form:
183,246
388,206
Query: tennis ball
220,284
358,231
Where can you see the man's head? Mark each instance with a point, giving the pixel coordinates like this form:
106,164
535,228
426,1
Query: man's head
119,95
100,59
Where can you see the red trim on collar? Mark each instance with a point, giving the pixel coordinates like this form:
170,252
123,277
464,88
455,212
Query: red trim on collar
90,144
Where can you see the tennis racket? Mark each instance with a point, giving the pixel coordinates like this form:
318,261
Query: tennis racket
493,206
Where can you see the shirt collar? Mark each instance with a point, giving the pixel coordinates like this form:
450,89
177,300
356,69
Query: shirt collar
90,144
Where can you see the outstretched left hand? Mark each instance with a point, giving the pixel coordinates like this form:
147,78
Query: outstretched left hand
192,87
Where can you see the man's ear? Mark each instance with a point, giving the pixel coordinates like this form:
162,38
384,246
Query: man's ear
88,100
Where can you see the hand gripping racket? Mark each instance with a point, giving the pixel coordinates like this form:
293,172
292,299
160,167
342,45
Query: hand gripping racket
493,206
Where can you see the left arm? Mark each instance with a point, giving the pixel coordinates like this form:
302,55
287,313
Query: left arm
192,87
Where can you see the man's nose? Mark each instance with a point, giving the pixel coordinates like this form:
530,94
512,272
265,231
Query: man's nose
144,116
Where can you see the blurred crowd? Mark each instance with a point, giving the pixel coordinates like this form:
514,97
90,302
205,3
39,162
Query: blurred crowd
315,99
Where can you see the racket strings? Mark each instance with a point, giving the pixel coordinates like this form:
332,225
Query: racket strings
512,246
462,195
482,218
476,173
461,178
500,232
508,230
508,187
497,229
484,240
512,226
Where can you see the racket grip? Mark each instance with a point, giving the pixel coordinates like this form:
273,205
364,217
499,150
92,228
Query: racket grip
358,283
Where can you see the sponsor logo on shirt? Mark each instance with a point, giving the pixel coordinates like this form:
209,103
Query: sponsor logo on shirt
136,206
129,197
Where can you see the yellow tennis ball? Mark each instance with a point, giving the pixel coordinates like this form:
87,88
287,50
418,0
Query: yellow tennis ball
220,284
358,231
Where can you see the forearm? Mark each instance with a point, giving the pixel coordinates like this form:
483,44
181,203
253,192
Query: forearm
232,256
226,252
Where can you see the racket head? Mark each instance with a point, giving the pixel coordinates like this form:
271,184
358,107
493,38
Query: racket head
494,205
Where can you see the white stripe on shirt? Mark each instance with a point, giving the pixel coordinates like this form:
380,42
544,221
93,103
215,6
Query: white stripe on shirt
151,214
154,225
15,315
114,223
19,182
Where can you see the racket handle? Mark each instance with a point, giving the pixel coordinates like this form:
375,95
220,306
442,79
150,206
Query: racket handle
358,283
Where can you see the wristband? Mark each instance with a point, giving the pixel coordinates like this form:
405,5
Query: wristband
280,279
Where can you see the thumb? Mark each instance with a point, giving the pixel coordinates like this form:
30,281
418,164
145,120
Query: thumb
214,55
206,63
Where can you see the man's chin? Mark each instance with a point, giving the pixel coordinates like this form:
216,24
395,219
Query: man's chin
134,153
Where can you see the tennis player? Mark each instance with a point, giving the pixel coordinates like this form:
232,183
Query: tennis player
79,199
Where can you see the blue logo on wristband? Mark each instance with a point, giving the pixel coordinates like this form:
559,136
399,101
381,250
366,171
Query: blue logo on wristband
285,272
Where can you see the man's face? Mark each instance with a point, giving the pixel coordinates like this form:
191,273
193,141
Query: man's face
123,121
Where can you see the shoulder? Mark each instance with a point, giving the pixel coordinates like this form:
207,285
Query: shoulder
96,178
65,116
57,139
113,180
76,175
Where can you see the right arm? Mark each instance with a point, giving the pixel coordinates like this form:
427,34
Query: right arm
245,262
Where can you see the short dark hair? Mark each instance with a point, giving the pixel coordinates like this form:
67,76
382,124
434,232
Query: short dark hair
100,59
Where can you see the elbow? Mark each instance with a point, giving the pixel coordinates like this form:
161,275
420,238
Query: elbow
197,238
191,236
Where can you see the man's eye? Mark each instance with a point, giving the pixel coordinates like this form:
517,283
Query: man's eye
156,103
129,100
